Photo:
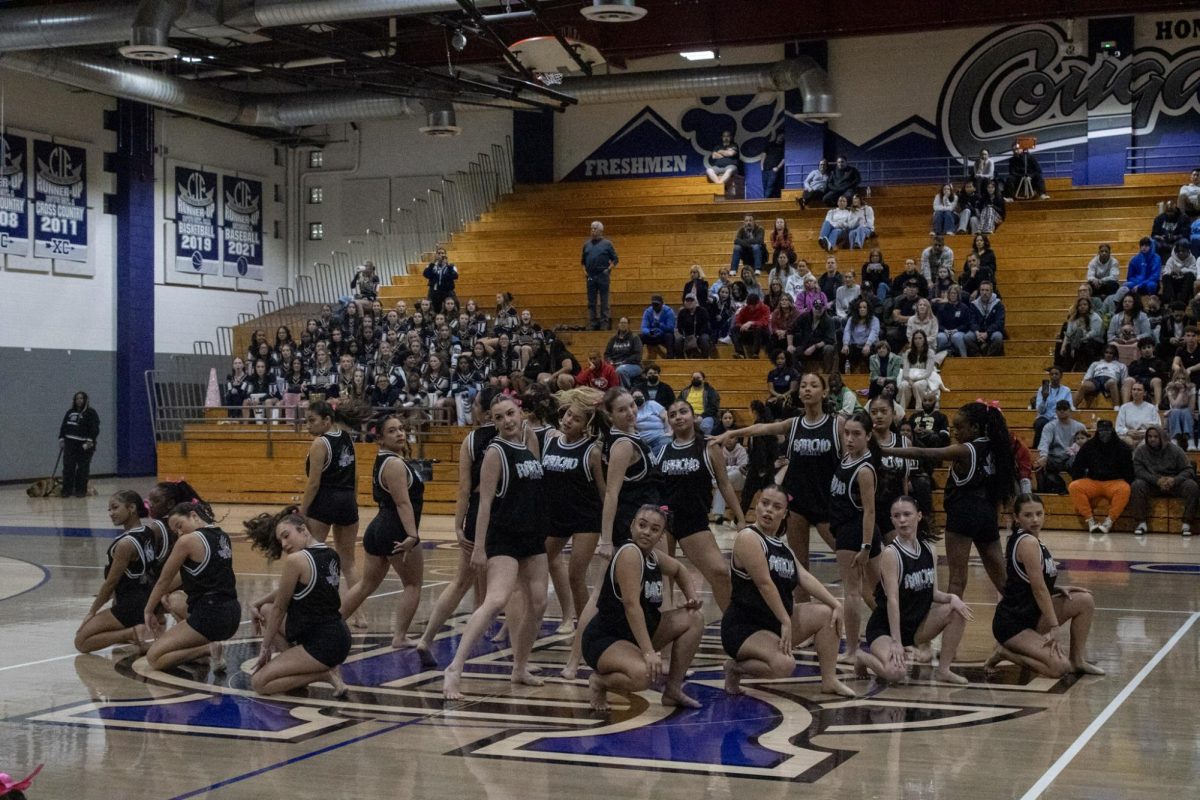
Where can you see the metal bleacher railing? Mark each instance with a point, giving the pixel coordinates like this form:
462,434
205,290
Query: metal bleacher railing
1162,158
419,225
939,169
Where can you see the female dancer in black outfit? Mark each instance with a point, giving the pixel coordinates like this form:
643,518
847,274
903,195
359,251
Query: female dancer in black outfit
852,519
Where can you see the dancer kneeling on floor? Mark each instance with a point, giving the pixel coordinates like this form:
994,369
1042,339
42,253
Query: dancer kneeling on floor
909,609
203,553
762,620
315,639
623,640
1033,605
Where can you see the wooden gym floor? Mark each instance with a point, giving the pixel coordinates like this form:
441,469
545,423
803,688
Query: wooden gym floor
107,727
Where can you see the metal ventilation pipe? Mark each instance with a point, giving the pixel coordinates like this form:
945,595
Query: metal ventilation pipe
149,39
273,13
38,27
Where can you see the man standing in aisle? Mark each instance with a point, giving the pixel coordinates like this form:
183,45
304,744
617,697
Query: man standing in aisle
599,259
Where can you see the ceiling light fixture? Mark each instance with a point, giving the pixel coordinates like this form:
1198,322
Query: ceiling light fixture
698,55
191,59
458,41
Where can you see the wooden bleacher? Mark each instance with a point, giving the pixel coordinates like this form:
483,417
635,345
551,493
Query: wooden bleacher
529,244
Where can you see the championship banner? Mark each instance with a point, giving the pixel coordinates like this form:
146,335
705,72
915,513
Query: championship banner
197,247
14,192
243,225
60,201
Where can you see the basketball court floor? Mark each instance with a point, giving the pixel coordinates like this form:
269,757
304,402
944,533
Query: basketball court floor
105,726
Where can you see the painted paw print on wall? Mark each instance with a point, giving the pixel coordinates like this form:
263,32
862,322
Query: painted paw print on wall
751,124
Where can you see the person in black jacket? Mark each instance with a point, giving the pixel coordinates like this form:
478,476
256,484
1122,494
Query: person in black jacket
441,275
843,181
651,387
1023,165
1103,467
77,439
761,453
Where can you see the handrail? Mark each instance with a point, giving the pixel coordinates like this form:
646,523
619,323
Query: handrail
1162,158
936,169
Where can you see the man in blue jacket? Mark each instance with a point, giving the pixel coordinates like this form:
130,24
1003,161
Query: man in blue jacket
1144,272
987,323
658,326
599,259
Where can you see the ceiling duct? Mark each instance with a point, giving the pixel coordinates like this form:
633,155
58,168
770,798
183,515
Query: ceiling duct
613,11
149,39
38,27
440,119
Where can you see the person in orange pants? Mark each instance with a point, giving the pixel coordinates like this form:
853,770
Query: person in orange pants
1103,468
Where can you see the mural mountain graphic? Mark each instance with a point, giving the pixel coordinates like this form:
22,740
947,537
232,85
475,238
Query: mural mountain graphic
647,146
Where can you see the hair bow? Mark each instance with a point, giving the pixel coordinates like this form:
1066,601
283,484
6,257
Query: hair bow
665,509
7,784
989,403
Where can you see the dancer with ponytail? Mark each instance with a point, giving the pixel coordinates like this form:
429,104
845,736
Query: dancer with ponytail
305,638
128,578
623,639
392,539
203,557
982,480
892,481
852,517
909,609
330,497
763,619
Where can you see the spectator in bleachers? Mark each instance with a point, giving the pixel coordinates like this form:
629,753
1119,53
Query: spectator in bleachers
704,400
983,170
624,352
282,360
653,387
1149,371
934,256
992,208
967,208
814,184
438,388
525,334
724,279
257,338
385,364
337,342
748,246
283,335
945,215
697,284
830,280
1181,405
1047,398
844,180
783,319
876,276
725,422
721,323
781,242
1136,416
774,295
295,389
883,368
1162,469
599,259
504,320
782,382
598,374
365,286
1179,273
737,462
724,161
859,335
746,286
1054,440
1103,468
1170,333
1104,272
1189,195
837,225
922,321
787,275
1104,377
981,245
1144,271
658,326
903,308
911,273
814,336
235,392
842,399
987,323
810,294
750,326
652,424
441,276
262,391
505,359
359,389
1169,227
773,168
345,374
692,327
1082,337
1155,314
537,367
1023,165
846,294
384,395
1129,314
919,373
323,377
864,222
954,322
942,282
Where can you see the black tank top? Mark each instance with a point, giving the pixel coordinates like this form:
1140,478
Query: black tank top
338,471
541,432
918,578
890,474
845,496
781,562
519,505
212,576
609,607
136,577
317,602
639,486
813,453
1018,599
685,477
416,487
973,483
569,484
155,540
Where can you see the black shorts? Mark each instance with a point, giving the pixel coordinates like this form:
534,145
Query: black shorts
689,522
878,625
383,534
130,608
566,524
215,618
335,507
737,627
470,517
848,536
600,635
622,531
1006,625
514,544
812,505
328,642
974,518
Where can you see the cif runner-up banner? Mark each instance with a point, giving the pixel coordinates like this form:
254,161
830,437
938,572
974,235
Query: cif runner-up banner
242,209
197,246
14,194
60,201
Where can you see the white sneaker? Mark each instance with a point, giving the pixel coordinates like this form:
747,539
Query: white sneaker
1092,526
1140,530
1045,197
1106,526
1186,530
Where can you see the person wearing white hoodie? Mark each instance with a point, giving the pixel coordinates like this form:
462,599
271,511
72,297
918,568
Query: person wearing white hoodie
1179,273
1104,272
837,225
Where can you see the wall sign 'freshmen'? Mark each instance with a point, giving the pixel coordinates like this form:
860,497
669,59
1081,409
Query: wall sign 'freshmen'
60,201
197,246
242,209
